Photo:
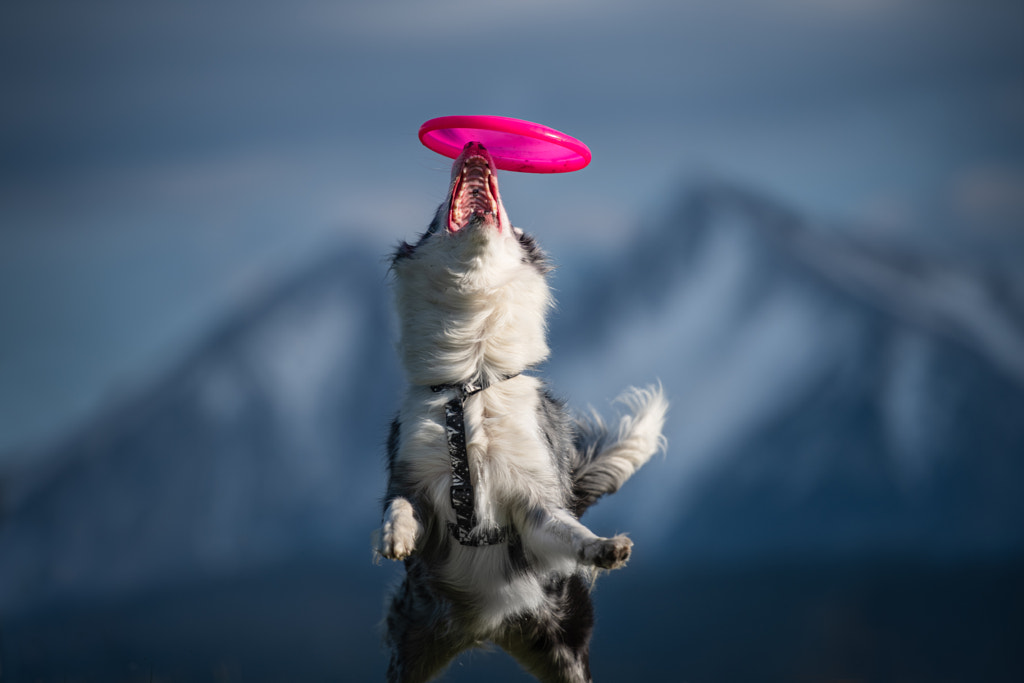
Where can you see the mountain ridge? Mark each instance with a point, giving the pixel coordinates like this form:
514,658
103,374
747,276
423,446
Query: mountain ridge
805,419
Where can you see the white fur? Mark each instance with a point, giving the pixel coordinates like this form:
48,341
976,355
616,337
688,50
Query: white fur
400,530
639,435
468,305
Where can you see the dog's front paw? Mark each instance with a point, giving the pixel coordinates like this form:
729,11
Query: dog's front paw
608,553
400,530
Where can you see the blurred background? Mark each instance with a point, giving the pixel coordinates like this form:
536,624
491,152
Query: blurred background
806,219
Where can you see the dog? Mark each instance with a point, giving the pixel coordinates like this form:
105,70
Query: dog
488,472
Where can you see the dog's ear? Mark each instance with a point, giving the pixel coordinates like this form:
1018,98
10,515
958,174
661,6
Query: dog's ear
405,250
534,255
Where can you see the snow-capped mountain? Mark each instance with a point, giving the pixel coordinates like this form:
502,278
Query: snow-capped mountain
827,397
264,442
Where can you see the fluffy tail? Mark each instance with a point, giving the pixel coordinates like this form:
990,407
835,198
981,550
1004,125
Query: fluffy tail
605,459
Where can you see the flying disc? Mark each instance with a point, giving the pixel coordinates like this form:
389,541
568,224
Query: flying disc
514,144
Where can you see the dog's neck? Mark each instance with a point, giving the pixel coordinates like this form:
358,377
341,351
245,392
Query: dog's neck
470,309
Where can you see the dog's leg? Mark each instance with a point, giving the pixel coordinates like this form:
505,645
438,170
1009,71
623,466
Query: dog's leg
555,646
420,641
558,535
400,530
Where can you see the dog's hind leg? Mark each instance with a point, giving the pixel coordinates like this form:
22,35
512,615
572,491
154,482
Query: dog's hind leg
421,645
554,646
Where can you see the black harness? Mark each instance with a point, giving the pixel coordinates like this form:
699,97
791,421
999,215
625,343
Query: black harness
462,486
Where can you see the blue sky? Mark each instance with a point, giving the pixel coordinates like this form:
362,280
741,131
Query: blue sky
162,163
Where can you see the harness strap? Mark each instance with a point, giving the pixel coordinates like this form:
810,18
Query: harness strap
461,492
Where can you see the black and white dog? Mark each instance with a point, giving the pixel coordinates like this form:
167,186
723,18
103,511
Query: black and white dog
488,473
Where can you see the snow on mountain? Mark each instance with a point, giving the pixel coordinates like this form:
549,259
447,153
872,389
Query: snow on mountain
264,442
826,396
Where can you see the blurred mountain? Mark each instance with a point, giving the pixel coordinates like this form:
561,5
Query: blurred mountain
264,443
829,395
830,398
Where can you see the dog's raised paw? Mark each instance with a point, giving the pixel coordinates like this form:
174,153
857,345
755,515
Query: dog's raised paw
608,553
398,535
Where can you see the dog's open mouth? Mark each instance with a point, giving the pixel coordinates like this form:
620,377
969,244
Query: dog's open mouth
474,192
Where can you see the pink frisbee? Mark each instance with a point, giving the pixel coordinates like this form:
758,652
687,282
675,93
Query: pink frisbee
514,144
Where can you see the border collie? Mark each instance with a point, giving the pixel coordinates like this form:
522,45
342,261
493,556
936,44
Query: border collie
488,473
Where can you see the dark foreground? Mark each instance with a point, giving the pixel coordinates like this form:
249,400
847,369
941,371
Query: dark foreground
317,621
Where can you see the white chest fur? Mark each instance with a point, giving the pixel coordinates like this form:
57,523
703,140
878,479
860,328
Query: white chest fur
508,459
468,306
511,471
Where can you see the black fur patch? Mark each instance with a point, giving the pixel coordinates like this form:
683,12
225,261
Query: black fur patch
533,253
406,250
555,646
556,425
393,436
578,623
420,645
